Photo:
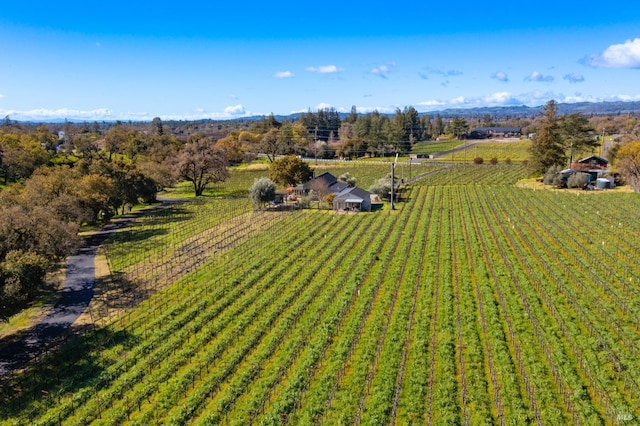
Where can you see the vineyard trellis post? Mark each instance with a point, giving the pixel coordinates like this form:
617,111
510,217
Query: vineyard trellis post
393,169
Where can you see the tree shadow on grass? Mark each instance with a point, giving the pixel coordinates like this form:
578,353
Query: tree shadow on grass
73,367
119,293
176,212
136,235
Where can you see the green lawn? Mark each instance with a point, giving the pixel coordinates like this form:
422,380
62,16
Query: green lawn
516,151
433,147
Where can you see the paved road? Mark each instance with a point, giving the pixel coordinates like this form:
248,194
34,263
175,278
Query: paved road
74,298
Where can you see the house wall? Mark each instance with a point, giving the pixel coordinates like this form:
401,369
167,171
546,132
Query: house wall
340,204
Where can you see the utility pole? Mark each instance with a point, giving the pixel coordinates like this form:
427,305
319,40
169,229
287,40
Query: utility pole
393,178
315,144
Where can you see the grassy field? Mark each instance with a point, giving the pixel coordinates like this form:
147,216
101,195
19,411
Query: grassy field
516,151
433,147
475,302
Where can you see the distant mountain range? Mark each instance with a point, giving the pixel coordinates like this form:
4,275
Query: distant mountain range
497,112
587,108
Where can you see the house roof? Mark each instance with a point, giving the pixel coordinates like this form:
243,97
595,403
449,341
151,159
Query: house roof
594,158
353,195
338,186
325,178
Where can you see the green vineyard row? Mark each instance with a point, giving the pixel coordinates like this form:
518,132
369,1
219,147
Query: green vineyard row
475,302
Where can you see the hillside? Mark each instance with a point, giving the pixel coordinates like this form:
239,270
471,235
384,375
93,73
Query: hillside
587,108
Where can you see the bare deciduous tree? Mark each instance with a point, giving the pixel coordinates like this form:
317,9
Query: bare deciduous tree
201,163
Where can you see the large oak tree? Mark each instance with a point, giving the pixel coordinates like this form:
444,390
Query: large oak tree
290,171
201,163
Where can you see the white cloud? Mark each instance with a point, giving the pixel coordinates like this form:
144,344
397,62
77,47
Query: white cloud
578,97
1,96
230,112
383,70
432,103
283,74
625,55
500,98
500,76
323,105
235,110
42,114
388,109
574,78
537,77
325,69
491,100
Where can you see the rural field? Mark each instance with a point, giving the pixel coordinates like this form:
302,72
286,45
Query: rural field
515,151
474,302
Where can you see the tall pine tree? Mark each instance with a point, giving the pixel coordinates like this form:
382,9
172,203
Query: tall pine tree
547,149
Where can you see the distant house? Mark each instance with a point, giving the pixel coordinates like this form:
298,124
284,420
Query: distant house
495,132
352,199
325,183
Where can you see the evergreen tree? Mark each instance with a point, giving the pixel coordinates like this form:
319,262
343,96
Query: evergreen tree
438,127
547,149
577,134
398,131
458,127
426,127
353,116
412,120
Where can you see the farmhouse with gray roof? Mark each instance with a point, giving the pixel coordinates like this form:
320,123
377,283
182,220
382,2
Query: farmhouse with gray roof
326,181
352,199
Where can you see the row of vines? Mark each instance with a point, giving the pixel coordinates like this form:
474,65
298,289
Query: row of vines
475,302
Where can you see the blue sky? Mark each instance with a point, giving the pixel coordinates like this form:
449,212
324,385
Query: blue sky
137,60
